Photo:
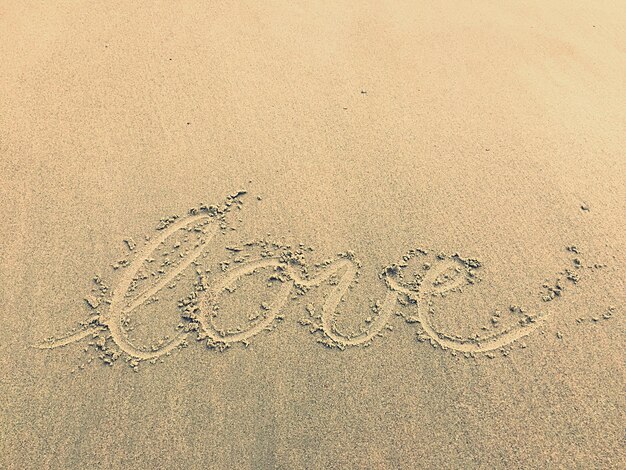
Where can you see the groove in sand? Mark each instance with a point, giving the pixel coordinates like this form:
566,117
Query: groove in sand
112,319
466,345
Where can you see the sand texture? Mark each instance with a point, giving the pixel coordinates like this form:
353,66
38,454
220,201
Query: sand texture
312,235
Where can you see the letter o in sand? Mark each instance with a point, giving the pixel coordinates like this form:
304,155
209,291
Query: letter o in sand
209,302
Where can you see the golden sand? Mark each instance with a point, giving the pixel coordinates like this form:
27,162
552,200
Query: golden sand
312,235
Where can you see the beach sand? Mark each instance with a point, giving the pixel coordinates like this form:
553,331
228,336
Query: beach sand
312,235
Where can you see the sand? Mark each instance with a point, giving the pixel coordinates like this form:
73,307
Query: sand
312,235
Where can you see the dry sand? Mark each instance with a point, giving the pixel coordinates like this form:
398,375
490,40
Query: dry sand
426,269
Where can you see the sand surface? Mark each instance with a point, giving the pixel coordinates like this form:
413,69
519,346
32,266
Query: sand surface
312,235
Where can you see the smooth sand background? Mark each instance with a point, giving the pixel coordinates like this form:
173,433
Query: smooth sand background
483,128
